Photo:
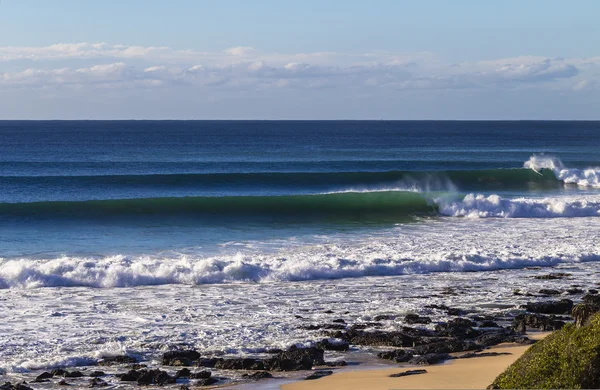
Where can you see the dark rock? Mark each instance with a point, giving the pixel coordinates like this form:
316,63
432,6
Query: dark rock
328,312
461,322
416,319
384,317
337,345
114,360
335,363
208,362
380,338
63,382
575,290
201,375
432,358
136,366
563,306
494,338
536,321
73,374
274,350
552,276
448,346
318,375
97,382
323,326
130,376
206,382
339,321
592,299
296,359
183,373
258,375
95,374
184,387
488,324
547,291
180,358
240,364
592,291
407,373
155,377
481,354
18,386
398,355
58,372
456,312
43,377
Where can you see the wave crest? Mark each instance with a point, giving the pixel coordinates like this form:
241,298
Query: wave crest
589,177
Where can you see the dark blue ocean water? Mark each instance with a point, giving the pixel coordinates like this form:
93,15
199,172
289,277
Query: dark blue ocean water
100,187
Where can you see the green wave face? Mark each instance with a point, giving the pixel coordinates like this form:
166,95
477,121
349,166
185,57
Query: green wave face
349,205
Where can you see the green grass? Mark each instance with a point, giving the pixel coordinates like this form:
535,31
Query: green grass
567,359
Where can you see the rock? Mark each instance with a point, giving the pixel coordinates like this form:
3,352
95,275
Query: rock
296,359
547,291
258,375
339,321
58,372
407,373
115,360
328,312
432,358
575,290
318,375
592,299
73,374
563,306
592,291
333,345
416,319
488,324
97,382
380,338
43,377
180,358
567,359
63,382
552,276
201,375
481,354
384,317
207,382
335,363
494,338
130,376
18,386
95,374
323,326
461,329
447,346
536,321
155,377
208,362
183,373
461,322
398,355
240,364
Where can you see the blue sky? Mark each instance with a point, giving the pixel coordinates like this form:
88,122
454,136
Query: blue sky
299,59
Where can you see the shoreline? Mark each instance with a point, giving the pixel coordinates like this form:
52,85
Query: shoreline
472,373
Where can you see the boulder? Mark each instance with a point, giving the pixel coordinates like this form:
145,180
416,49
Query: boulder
563,306
416,319
318,375
116,360
446,346
258,375
407,373
398,355
432,358
180,358
333,345
536,321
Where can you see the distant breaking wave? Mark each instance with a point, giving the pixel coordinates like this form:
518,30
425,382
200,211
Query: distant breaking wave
589,177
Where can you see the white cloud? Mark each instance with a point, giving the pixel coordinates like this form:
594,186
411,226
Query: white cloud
245,68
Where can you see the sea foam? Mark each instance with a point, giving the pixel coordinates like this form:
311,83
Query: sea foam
589,177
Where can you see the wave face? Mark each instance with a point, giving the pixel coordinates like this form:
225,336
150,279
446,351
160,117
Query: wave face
344,204
589,177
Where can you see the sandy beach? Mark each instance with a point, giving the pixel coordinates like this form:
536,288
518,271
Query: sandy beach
473,373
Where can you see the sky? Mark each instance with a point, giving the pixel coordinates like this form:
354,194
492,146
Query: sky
292,59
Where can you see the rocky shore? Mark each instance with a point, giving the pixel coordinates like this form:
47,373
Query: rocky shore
411,339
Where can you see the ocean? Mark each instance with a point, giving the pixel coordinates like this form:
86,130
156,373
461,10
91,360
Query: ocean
227,236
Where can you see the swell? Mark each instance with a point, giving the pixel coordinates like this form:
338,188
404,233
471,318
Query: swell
496,178
348,204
